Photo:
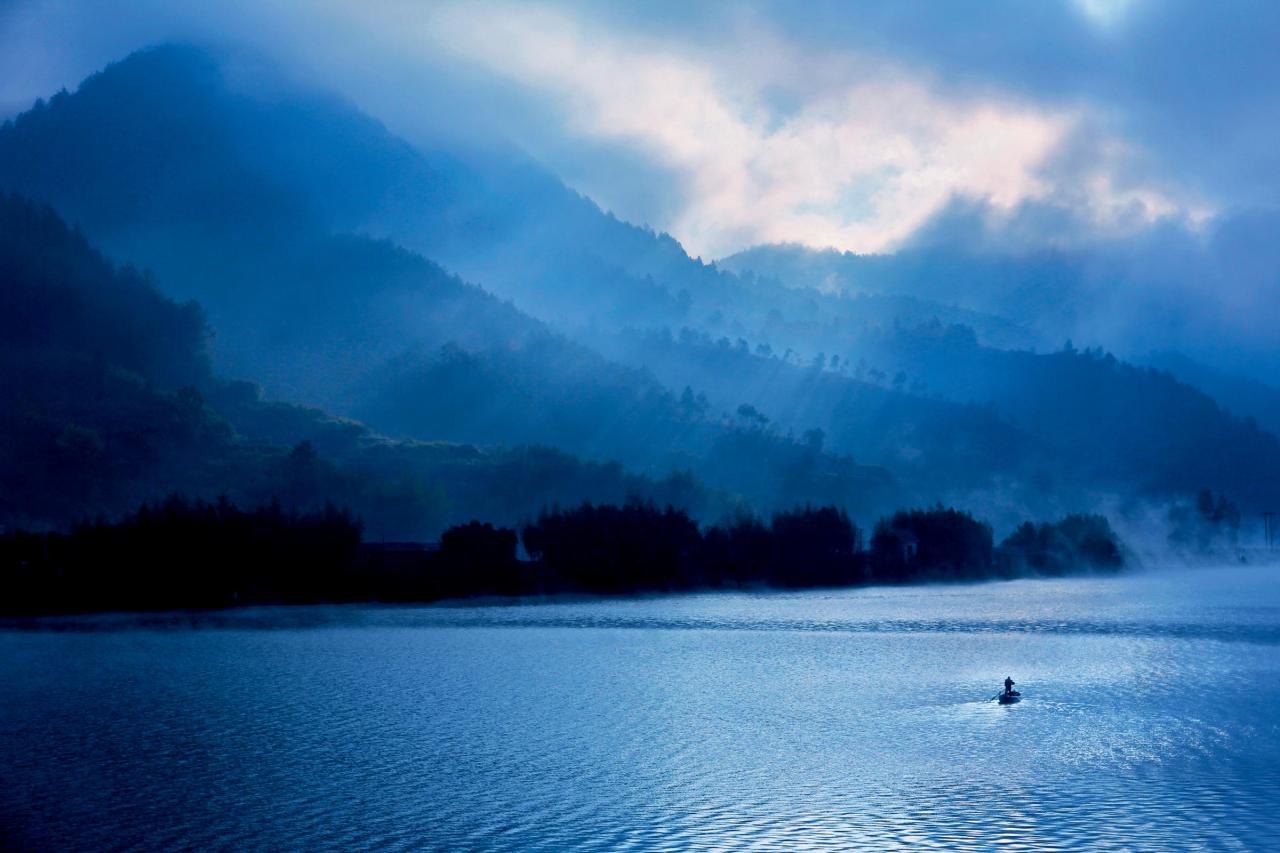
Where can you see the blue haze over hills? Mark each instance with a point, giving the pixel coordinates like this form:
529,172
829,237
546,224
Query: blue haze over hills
424,317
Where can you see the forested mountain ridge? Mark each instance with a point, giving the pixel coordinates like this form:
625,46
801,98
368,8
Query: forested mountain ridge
1048,297
191,153
1117,425
108,401
277,212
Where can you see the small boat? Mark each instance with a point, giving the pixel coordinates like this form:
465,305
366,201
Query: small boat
1010,698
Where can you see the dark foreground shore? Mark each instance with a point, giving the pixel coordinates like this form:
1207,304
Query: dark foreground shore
191,554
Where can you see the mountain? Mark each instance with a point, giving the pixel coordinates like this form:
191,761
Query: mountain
84,347
1239,394
1112,422
305,229
1120,426
1201,293
164,143
1041,293
108,400
351,323
176,148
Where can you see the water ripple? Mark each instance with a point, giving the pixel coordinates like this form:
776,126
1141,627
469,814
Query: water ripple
299,618
798,722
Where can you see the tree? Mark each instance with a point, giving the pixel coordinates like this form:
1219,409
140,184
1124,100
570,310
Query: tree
814,547
1075,542
615,549
751,416
480,558
947,543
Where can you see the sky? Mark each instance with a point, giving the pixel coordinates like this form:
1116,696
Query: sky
862,126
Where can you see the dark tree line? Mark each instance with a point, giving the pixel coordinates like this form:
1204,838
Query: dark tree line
179,554
189,554
1056,549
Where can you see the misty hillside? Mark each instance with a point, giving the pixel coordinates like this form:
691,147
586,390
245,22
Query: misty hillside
276,212
1044,292
1105,422
1236,393
109,401
84,347
176,147
1131,304
361,327
1108,421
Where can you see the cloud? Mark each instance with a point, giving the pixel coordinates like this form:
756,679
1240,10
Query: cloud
769,141
734,123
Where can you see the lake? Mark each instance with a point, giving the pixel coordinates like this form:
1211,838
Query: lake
775,721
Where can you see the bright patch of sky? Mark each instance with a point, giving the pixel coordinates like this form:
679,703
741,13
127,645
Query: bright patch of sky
861,157
1106,14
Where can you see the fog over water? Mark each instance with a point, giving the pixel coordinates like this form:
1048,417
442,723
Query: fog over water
807,721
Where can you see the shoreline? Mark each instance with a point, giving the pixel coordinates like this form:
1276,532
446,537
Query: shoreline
243,615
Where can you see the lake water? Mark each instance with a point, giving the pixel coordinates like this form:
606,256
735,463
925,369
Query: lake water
808,721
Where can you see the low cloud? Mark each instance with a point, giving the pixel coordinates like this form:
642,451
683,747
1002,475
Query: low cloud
727,126
819,148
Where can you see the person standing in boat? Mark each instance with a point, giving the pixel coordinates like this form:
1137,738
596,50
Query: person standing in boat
1008,685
